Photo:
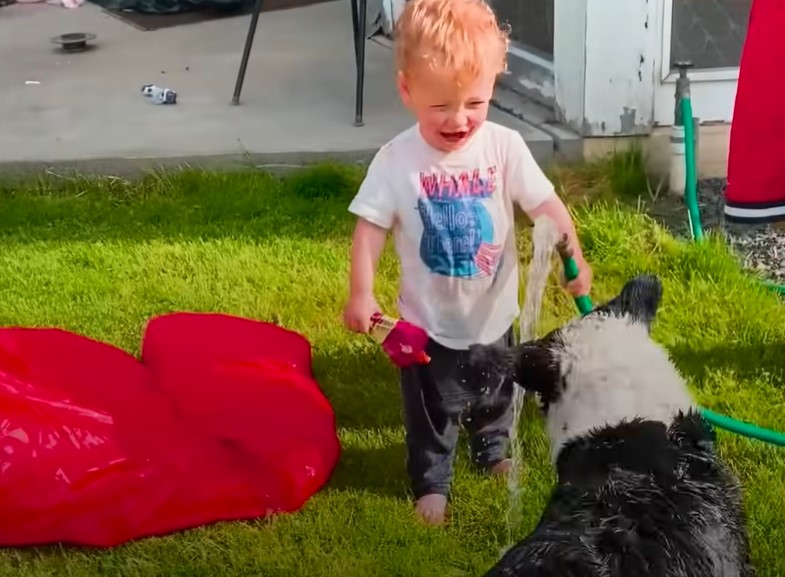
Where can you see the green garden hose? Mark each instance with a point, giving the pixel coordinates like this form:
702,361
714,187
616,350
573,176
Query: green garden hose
584,305
583,302
744,429
691,189
777,288
691,200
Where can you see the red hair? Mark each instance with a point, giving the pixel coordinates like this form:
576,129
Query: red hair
460,36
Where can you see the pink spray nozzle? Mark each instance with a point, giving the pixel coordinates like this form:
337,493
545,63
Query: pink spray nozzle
403,342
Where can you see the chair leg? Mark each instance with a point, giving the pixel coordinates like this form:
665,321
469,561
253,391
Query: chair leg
247,51
355,28
358,28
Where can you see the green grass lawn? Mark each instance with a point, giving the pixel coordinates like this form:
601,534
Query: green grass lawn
101,258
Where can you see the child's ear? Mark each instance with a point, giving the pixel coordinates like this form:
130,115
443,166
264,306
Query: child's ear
403,88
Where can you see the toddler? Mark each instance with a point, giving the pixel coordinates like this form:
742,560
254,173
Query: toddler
446,188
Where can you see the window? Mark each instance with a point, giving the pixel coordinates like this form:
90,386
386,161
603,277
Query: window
710,33
531,22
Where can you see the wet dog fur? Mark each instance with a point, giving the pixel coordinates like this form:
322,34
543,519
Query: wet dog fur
640,489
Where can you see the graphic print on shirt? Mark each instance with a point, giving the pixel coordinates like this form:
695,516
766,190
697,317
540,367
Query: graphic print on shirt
458,230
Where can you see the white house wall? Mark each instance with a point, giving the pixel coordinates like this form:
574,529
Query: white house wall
611,69
569,61
614,43
620,67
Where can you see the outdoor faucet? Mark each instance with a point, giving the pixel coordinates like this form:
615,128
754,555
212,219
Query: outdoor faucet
682,88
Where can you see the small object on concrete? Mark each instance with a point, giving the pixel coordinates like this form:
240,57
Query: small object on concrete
32,82
74,41
159,95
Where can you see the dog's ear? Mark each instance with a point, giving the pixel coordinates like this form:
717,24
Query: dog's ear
639,299
531,365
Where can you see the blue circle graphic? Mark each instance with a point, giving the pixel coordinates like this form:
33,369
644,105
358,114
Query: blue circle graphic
454,230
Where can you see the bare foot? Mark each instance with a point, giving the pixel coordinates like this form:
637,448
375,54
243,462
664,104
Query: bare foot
432,508
502,467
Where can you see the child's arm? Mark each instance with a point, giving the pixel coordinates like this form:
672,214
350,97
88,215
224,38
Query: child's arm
535,194
557,211
367,245
375,208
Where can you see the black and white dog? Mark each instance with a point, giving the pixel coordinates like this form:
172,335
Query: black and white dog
640,491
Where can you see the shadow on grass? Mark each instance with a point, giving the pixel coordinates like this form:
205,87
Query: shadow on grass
381,471
362,386
311,204
746,362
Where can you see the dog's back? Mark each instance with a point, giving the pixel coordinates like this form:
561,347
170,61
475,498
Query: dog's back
638,499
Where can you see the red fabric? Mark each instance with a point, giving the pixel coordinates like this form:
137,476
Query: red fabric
756,161
221,420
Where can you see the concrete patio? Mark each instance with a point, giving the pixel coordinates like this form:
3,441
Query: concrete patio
86,110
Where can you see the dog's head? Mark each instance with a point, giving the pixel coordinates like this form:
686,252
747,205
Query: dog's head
599,369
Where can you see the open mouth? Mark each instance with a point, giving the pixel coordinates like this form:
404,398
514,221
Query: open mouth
455,136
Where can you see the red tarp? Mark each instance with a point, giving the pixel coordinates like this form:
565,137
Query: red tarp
756,163
221,420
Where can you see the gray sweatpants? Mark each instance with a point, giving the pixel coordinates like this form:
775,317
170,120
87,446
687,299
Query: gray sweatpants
440,397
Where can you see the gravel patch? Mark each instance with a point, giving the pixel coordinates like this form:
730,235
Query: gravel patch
760,248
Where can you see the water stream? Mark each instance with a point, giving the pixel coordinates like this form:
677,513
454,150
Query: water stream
544,238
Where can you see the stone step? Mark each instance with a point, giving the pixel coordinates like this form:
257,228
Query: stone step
539,142
567,145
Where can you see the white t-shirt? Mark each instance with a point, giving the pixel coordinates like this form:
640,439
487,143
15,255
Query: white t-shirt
452,221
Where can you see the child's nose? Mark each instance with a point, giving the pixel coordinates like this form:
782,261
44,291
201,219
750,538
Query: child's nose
459,119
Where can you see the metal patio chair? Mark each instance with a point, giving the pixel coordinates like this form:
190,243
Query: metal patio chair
359,13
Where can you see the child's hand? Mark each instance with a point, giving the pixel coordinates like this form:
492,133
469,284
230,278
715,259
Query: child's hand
582,284
358,312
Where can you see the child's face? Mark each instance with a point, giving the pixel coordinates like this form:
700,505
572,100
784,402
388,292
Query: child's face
448,113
